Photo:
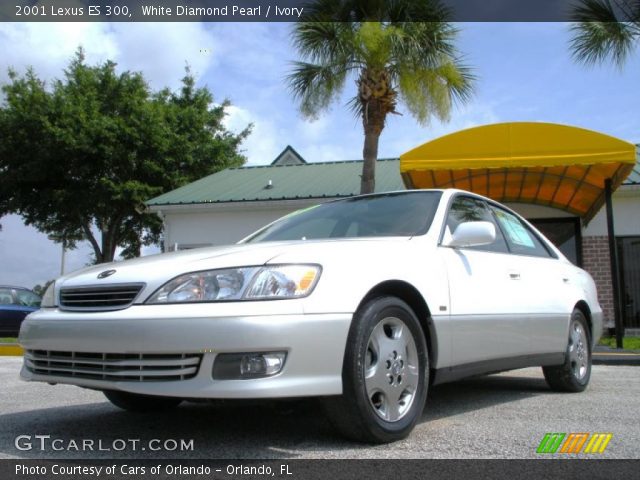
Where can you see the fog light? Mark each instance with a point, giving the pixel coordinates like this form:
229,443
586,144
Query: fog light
234,366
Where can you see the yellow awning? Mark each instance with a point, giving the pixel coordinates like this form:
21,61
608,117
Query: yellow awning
542,163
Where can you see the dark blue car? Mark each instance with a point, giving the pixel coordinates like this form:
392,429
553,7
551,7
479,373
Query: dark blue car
15,304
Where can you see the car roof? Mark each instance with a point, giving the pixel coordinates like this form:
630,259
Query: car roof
447,191
14,287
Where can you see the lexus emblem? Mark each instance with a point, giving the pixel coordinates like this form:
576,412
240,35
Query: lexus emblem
106,273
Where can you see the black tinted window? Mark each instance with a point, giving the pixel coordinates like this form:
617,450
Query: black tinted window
393,214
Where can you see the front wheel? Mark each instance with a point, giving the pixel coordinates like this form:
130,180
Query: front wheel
384,374
134,402
574,374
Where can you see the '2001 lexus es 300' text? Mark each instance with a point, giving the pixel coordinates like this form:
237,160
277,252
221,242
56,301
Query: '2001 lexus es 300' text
364,301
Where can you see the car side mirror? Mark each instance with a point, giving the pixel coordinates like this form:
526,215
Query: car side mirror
472,234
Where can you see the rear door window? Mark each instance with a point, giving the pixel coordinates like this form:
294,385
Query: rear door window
520,237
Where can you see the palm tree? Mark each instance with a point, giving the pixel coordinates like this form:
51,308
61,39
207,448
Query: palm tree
391,56
605,30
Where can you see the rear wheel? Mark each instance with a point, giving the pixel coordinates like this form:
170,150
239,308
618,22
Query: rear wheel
574,374
134,402
384,374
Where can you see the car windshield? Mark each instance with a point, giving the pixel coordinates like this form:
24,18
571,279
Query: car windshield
27,298
401,214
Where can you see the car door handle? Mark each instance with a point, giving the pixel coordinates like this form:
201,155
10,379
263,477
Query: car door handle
565,279
514,275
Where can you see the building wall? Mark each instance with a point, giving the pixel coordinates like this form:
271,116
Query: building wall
626,214
221,224
220,228
596,261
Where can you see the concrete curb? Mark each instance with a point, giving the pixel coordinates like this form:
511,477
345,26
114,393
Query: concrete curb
612,356
632,359
11,350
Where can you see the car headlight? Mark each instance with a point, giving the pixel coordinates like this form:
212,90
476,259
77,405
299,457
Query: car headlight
244,283
49,297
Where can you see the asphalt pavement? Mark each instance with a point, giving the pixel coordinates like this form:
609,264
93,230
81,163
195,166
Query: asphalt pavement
496,416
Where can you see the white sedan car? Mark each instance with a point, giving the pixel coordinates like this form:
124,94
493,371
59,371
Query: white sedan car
365,301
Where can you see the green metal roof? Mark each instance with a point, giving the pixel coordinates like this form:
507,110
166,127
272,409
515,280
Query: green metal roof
634,176
288,182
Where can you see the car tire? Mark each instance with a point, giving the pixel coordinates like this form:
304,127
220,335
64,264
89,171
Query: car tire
573,375
384,375
134,402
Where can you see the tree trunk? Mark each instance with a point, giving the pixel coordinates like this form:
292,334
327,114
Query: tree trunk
94,243
373,121
377,98
109,245
106,246
370,156
106,250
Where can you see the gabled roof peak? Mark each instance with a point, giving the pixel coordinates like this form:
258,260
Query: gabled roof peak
289,156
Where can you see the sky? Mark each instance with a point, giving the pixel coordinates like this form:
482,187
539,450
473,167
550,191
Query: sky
524,73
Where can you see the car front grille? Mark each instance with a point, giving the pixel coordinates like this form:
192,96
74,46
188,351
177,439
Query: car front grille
131,367
111,297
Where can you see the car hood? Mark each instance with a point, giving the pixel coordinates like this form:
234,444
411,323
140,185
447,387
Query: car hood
18,308
155,270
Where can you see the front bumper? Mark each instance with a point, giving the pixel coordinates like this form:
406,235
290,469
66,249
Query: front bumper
314,343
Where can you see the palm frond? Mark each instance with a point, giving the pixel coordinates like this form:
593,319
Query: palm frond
419,58
355,106
373,43
350,11
605,31
376,11
431,92
423,45
432,11
330,11
315,86
324,42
